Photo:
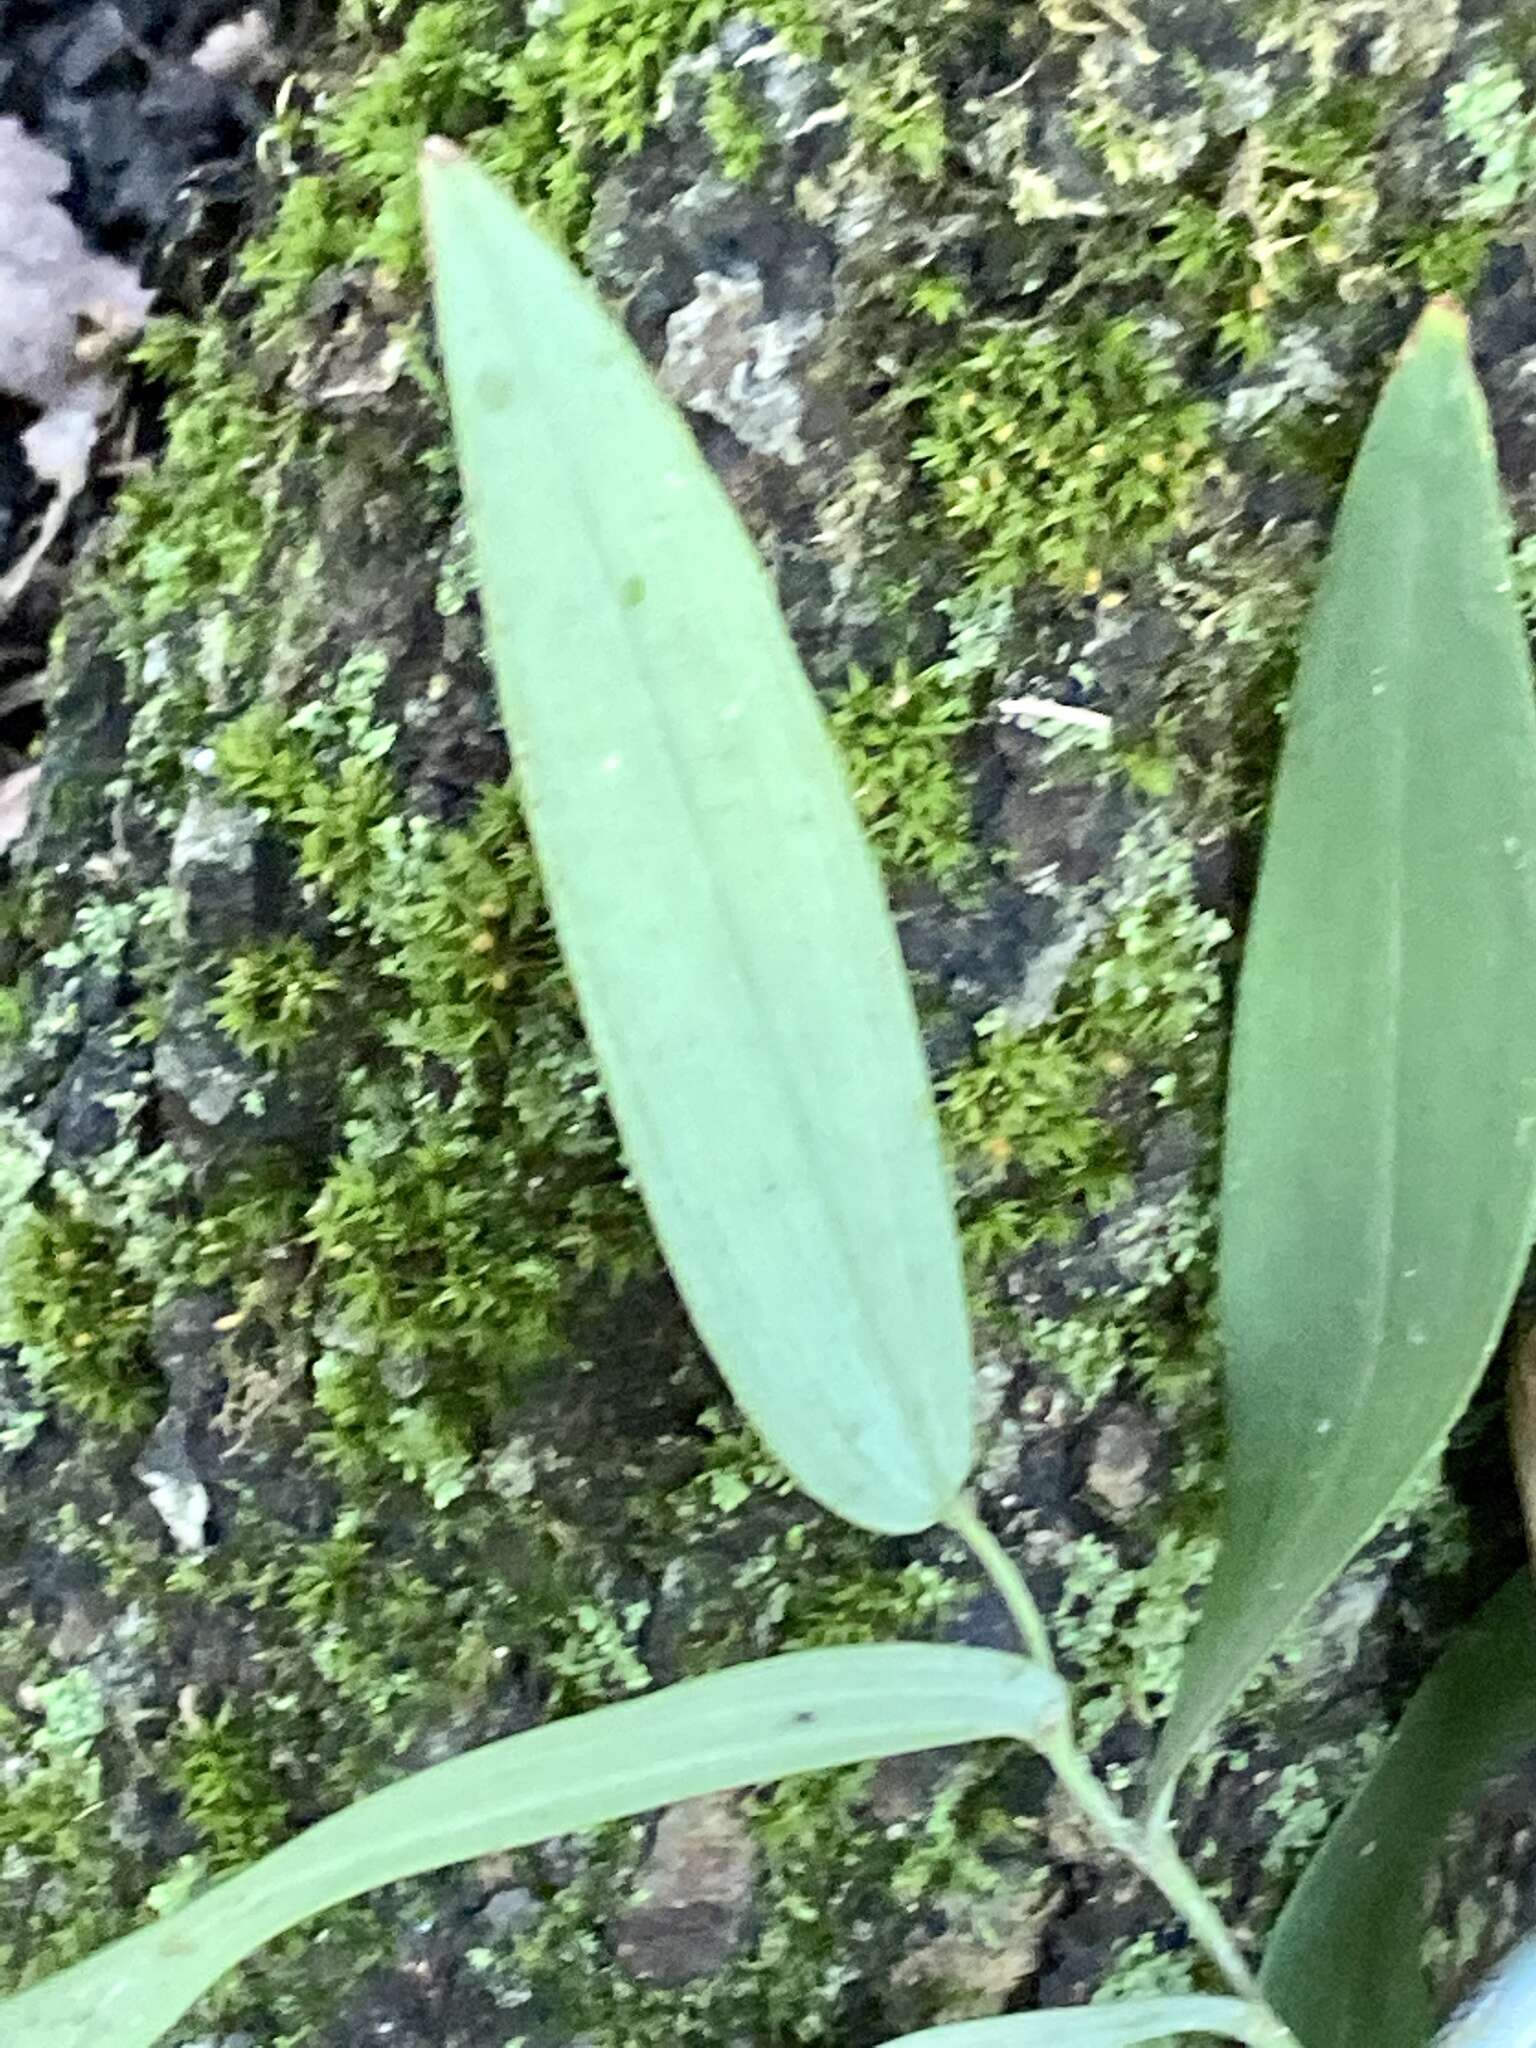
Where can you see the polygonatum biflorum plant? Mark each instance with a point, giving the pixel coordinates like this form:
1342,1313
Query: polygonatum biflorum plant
727,937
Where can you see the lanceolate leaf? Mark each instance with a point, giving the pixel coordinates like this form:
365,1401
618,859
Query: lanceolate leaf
1122,2025
1379,1172
1343,1962
800,1712
721,916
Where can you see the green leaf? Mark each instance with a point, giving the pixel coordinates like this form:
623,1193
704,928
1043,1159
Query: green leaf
721,916
1380,1172
802,1712
1106,2026
1343,1962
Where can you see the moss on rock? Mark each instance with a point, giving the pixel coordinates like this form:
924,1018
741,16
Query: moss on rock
1073,319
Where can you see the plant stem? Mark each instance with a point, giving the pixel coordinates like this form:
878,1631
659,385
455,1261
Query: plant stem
1152,1852
1007,1578
1148,1848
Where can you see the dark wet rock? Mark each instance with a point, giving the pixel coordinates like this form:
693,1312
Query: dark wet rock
1299,373
691,1898
155,135
725,357
220,1107
203,1078
100,1099
1207,30
185,1339
736,293
126,106
225,876
1057,827
1129,656
1133,1244
1010,950
903,1788
88,730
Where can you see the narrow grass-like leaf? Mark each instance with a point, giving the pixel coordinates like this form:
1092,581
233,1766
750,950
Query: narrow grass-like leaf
1380,1168
720,913
1343,1963
1121,2025
801,1712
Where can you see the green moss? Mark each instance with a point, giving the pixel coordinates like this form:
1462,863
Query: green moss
452,1224
1027,1104
899,110
14,1008
1148,1968
56,1849
392,1297
1487,115
1125,1627
272,997
1025,1115
56,1894
201,519
222,1770
822,1861
1061,454
425,1232
938,298
734,128
542,108
1305,1796
79,1317
898,737
1447,257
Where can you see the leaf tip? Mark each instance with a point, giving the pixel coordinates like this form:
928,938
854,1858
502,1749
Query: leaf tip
1443,320
437,152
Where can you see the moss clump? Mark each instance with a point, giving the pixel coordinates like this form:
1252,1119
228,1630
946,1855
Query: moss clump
79,1316
202,520
544,107
476,1183
271,997
1063,454
899,736
738,135
426,1233
1488,115
899,111
230,1796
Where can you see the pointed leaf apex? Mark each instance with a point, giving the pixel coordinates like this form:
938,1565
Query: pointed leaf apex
1443,320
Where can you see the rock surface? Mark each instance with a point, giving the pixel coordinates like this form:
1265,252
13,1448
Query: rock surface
346,1417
